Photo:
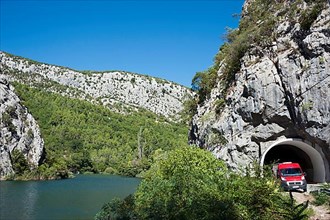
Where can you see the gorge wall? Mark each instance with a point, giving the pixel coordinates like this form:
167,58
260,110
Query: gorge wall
18,131
277,108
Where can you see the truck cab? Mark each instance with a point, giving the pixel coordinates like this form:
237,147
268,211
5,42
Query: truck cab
291,175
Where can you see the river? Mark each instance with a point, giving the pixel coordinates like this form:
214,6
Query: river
78,198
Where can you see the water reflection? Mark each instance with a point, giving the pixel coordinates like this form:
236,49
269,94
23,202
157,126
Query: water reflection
29,200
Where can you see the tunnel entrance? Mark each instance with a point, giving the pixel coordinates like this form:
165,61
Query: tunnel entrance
295,150
288,153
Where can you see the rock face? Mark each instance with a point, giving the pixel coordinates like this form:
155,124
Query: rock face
18,130
280,93
116,90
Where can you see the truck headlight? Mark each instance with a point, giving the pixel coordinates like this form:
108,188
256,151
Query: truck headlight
303,178
283,179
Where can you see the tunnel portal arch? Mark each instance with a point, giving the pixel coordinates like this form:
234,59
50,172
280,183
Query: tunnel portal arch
295,150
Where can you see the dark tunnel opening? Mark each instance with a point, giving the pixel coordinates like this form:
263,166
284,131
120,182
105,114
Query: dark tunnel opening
289,153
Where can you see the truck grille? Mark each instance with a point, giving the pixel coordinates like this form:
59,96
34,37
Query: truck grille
295,183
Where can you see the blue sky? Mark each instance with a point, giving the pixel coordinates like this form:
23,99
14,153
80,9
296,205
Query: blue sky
171,39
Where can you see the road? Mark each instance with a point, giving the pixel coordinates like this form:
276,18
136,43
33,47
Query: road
320,212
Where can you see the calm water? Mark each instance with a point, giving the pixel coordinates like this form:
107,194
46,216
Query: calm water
78,198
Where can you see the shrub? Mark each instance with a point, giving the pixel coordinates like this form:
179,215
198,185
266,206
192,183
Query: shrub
117,209
6,119
310,14
215,138
30,133
307,106
322,197
189,109
12,111
110,170
19,162
219,105
203,83
186,184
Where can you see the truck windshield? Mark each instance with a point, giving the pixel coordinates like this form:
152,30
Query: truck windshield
291,172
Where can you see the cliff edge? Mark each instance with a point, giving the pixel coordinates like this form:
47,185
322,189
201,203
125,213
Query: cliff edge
273,104
21,145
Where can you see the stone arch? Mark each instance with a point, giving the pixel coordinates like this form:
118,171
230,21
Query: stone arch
298,151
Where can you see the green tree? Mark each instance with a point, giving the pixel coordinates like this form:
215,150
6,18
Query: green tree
204,82
189,109
19,162
118,209
186,183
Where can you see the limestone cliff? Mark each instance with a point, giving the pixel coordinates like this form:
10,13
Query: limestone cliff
279,94
117,90
18,130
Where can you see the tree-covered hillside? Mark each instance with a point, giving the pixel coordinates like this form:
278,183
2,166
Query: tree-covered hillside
80,136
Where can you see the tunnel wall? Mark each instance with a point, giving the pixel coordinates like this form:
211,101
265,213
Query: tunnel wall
320,164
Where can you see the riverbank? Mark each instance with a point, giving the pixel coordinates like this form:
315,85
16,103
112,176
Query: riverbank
34,176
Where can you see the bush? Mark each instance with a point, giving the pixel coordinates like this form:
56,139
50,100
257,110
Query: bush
322,197
311,13
186,184
189,109
117,209
19,162
203,83
190,183
6,120
219,105
110,170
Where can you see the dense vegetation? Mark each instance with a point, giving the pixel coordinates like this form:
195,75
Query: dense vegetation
190,183
82,137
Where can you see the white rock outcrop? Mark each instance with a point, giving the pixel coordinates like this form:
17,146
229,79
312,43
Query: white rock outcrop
116,90
18,130
282,91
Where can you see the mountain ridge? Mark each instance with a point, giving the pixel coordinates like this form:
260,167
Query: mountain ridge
117,90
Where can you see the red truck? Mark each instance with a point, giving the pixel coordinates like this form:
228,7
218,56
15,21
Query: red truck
291,175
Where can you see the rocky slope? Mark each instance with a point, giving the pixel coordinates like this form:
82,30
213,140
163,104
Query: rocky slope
280,91
18,130
119,91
